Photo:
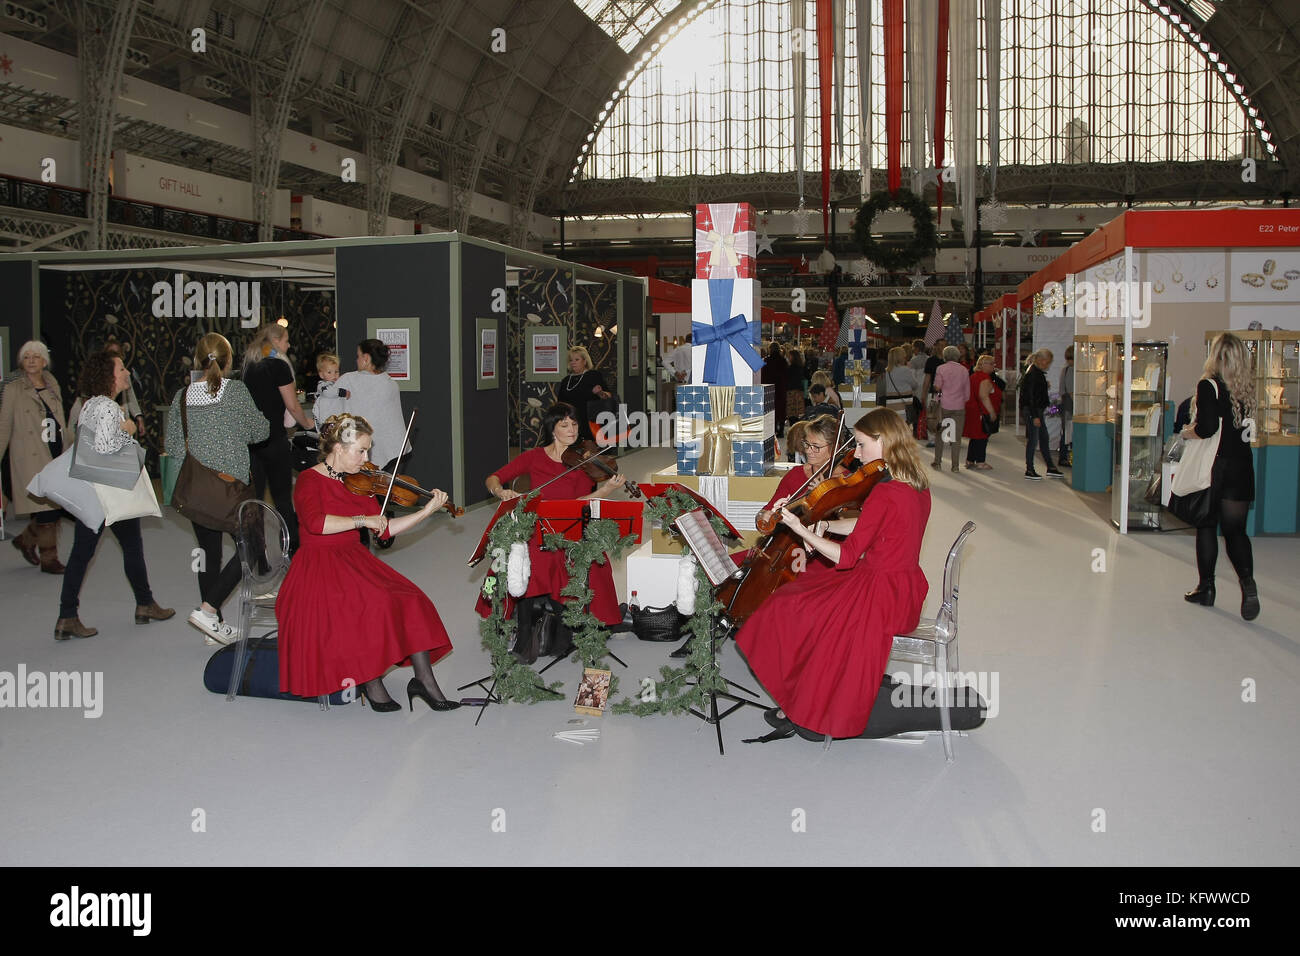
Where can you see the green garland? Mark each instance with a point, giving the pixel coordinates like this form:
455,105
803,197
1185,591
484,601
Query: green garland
598,544
680,689
895,258
514,679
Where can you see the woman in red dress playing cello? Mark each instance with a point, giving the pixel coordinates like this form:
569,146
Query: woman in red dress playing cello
819,644
373,618
547,571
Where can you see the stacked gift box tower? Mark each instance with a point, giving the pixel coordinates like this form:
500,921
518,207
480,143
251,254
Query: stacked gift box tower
726,420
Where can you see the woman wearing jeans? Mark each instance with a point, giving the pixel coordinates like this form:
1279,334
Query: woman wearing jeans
223,422
103,377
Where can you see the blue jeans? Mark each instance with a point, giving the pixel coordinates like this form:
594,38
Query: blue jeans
83,549
1036,434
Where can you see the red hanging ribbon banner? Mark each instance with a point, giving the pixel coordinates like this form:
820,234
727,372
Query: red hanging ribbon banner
893,10
940,104
825,73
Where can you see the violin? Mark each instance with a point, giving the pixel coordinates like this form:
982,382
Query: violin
406,491
599,468
771,562
824,496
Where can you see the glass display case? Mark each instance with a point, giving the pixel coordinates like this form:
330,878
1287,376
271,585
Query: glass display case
1094,360
1145,432
1278,399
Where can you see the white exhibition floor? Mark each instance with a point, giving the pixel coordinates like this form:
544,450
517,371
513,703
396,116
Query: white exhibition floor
1113,694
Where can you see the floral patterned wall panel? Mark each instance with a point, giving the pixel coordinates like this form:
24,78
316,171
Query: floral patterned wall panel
546,297
83,311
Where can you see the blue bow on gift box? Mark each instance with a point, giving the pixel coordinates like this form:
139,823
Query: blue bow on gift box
722,336
858,344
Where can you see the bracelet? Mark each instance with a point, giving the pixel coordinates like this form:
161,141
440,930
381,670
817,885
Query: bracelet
356,521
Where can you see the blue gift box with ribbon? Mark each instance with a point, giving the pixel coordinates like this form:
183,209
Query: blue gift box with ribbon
725,332
724,430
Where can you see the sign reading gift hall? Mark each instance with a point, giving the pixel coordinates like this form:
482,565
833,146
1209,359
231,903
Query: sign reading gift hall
724,241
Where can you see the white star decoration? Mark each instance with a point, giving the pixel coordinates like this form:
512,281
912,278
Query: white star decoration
1028,236
918,279
763,244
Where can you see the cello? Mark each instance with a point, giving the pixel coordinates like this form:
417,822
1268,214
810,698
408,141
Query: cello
771,562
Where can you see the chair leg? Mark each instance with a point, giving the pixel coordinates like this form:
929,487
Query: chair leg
324,701
241,646
945,718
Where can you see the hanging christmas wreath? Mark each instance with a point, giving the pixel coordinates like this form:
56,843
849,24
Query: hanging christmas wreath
896,258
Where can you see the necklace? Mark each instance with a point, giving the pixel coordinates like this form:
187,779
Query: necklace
572,381
336,475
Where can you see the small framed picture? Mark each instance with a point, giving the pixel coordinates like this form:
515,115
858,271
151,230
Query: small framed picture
593,692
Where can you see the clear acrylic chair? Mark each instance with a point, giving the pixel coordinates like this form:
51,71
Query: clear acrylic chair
934,642
262,539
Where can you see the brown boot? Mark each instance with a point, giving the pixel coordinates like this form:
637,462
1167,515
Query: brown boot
26,543
144,613
67,627
47,540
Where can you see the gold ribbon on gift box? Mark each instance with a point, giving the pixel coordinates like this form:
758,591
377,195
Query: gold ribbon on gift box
857,374
718,434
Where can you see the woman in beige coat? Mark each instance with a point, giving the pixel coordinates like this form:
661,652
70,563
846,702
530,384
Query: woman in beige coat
32,428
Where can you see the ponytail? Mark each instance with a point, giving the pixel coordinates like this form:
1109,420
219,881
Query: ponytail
213,356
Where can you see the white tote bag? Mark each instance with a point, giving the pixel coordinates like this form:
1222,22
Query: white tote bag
74,495
119,505
1197,463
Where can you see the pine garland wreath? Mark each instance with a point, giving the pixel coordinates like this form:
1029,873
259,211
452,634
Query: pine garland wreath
894,258
679,689
598,544
514,679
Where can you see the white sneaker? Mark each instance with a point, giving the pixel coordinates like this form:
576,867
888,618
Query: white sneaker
214,630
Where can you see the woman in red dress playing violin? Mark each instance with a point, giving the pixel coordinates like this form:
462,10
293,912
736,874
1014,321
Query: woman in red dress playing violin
819,644
372,618
547,574
818,445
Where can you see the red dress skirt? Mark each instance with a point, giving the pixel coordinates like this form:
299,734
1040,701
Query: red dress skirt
342,612
819,645
548,573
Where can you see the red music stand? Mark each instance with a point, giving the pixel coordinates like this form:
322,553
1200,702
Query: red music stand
565,516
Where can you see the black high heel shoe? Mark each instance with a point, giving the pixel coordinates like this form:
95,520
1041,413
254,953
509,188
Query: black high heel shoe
379,707
416,689
1201,594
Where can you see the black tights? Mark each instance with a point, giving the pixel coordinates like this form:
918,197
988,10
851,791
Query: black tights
1232,519
423,673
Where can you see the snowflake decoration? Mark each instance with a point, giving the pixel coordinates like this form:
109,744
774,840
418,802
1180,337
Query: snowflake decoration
800,217
993,215
864,270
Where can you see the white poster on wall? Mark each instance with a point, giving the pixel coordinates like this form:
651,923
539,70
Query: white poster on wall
399,353
1265,275
1176,275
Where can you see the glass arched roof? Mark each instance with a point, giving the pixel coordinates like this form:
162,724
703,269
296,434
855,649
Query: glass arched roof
627,21
1104,81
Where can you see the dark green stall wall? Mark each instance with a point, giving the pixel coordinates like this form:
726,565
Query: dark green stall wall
399,280
631,324
485,413
20,293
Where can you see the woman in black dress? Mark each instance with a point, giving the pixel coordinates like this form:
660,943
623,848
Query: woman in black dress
580,386
1225,399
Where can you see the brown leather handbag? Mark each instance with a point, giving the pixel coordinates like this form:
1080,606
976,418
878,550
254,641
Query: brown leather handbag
203,495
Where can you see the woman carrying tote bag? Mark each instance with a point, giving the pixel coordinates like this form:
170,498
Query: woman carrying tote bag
222,421
1222,411
103,376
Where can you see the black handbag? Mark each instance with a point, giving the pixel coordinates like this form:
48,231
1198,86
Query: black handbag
541,631
1195,509
990,424
261,673
657,623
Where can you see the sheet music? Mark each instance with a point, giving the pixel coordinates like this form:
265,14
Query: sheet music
706,546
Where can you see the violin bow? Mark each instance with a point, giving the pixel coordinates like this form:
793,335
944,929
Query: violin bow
397,462
594,455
